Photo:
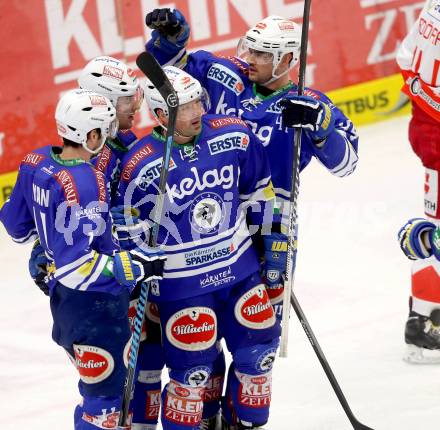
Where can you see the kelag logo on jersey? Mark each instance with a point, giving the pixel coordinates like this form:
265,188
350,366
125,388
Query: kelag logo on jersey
150,172
200,181
221,74
228,142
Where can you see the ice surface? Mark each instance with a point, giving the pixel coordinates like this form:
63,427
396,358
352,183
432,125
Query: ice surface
352,281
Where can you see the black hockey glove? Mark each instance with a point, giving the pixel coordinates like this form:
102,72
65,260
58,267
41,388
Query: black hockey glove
313,115
38,267
138,265
169,22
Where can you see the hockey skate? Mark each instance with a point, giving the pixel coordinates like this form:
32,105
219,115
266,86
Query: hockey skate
422,336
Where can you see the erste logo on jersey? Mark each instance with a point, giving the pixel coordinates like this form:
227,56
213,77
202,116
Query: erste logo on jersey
192,329
228,142
94,364
254,310
229,79
150,172
206,213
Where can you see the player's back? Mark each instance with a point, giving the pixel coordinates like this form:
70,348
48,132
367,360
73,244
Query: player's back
66,203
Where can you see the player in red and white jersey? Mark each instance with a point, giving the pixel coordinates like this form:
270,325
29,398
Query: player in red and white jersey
419,60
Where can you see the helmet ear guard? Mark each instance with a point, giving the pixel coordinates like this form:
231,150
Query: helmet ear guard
80,111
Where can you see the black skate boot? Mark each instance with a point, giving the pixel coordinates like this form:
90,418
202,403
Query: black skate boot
422,336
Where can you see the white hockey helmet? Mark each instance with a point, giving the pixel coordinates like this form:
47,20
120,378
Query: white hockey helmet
80,111
275,35
187,87
109,77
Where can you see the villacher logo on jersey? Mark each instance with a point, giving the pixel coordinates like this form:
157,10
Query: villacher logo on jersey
192,329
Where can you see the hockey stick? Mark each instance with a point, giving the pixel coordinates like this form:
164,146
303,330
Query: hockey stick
324,363
294,190
289,296
153,71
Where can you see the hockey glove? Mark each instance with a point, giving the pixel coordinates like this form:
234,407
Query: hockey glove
127,227
138,265
311,114
170,27
274,266
419,238
38,267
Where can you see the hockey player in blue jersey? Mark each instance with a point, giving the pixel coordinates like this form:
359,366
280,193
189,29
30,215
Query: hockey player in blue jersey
255,86
116,81
62,199
218,188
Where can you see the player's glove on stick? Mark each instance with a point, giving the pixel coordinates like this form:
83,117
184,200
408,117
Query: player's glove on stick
170,27
275,257
38,267
313,115
138,265
419,238
127,227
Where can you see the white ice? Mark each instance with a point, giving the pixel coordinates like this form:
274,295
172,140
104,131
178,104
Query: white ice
352,281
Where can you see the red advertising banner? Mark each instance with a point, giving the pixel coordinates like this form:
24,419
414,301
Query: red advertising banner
45,43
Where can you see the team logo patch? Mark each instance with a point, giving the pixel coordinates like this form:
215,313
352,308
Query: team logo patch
265,361
197,376
226,77
206,213
228,142
94,364
254,310
192,329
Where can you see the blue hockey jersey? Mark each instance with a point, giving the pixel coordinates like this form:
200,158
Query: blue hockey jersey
211,184
65,204
108,161
232,93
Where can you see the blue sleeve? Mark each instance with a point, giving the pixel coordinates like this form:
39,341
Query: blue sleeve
339,154
16,215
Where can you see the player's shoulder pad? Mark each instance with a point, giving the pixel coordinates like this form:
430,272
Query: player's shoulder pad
127,137
142,150
235,62
34,158
220,122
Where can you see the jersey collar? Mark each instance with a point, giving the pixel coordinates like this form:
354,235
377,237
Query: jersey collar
55,153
